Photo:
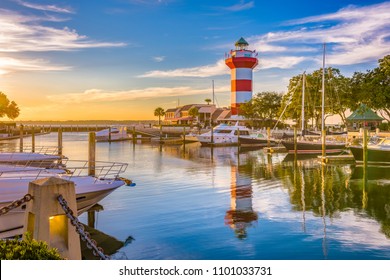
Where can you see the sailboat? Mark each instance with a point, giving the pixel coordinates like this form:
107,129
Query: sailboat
317,146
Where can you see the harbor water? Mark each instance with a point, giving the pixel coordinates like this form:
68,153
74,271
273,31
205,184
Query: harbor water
193,202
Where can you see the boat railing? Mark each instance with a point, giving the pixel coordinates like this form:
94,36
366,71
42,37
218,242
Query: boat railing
47,150
66,169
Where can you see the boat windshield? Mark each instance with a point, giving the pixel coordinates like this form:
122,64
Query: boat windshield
242,132
386,142
224,131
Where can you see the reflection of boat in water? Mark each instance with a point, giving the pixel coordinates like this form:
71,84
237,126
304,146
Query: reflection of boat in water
371,172
378,153
223,135
112,134
14,185
292,157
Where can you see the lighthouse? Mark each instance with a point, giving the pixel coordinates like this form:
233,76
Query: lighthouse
241,61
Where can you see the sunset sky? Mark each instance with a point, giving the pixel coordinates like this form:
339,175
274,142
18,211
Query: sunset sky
120,59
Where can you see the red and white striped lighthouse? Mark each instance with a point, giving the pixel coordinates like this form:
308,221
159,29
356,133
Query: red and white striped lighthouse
241,61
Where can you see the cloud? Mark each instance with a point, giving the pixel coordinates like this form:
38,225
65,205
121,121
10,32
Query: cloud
20,33
9,64
99,95
242,5
282,62
353,35
24,33
219,68
158,58
46,8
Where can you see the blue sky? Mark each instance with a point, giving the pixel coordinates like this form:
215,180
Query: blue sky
121,59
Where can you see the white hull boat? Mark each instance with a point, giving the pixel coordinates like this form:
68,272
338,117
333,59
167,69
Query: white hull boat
112,134
14,185
224,135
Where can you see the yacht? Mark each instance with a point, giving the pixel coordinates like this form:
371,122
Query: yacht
377,153
14,182
115,133
224,135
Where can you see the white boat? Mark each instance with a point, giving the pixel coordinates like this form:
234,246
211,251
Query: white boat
377,153
89,190
27,158
224,135
114,133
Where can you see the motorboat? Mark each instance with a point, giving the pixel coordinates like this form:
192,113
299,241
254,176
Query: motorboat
223,135
14,182
257,139
29,158
115,133
377,153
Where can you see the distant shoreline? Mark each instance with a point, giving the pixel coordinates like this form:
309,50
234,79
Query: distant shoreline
82,122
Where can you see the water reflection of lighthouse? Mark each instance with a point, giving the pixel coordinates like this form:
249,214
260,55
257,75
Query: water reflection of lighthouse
241,214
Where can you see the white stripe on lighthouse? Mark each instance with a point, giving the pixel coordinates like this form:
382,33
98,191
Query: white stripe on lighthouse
241,74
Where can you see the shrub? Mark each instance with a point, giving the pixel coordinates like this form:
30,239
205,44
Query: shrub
27,249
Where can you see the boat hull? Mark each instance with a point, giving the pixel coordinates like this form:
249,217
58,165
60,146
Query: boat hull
304,147
11,224
374,156
254,141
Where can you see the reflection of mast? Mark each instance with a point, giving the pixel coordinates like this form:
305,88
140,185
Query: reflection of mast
324,246
303,200
241,214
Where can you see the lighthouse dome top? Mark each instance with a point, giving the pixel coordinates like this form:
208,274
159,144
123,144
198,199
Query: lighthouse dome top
241,43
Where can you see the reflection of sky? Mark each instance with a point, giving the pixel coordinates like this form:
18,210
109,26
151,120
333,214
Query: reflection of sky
178,207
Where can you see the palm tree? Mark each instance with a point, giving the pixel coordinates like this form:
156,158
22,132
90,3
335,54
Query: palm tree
159,112
208,100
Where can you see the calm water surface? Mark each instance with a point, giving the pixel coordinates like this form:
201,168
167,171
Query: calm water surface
194,203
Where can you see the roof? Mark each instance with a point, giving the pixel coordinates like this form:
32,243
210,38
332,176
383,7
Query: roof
241,41
363,113
171,110
206,109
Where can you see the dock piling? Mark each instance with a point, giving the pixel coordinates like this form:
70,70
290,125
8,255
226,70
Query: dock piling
91,153
21,138
45,219
33,139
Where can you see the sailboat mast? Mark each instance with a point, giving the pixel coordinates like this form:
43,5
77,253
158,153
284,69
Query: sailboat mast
323,133
213,91
303,102
323,91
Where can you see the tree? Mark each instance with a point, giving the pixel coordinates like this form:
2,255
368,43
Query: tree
193,112
159,112
207,100
373,88
8,108
264,106
338,96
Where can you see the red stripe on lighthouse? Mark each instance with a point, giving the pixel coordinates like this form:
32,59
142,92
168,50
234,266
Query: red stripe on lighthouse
241,85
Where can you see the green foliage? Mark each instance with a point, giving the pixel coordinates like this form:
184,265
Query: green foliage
27,249
8,108
263,108
193,112
373,87
207,100
338,96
